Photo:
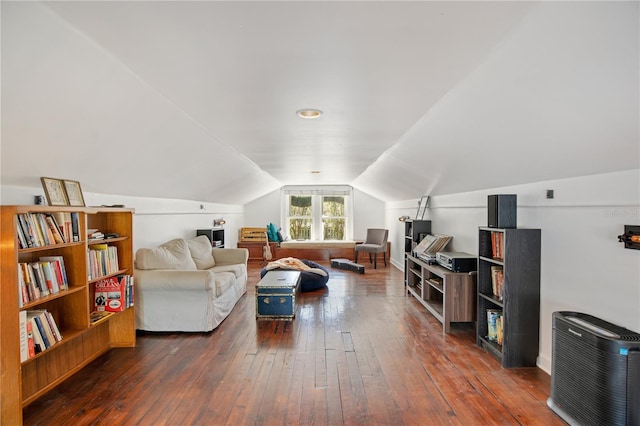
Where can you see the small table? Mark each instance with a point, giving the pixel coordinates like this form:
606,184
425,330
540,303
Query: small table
276,295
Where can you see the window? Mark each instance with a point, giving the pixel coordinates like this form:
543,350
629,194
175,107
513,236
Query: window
300,217
314,213
333,218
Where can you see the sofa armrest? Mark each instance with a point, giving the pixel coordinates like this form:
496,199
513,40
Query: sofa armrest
230,256
174,280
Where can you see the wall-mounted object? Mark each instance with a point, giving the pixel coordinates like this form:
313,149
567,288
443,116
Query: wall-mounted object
631,237
403,218
502,211
219,222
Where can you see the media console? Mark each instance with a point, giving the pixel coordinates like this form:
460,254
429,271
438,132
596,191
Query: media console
449,296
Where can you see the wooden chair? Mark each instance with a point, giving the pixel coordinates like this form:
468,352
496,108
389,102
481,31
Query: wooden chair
376,242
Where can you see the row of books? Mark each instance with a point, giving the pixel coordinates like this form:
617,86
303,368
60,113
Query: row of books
42,278
495,325
497,281
43,229
38,332
113,294
102,259
497,245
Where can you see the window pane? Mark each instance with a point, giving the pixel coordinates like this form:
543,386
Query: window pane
333,229
300,206
300,229
333,206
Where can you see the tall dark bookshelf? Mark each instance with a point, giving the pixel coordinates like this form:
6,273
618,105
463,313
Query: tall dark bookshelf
413,231
520,297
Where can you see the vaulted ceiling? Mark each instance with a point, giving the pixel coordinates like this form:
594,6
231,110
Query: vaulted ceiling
198,100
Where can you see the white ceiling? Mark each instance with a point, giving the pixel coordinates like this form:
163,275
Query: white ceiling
197,100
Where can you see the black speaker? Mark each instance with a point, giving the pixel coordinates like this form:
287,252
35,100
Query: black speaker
502,211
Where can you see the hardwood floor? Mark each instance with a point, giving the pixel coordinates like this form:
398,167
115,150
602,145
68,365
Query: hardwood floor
360,352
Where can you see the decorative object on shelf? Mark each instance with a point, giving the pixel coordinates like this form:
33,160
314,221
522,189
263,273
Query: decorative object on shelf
74,193
422,207
403,218
219,222
54,191
631,237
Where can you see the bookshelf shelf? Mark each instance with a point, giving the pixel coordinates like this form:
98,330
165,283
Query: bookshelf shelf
24,381
38,302
520,301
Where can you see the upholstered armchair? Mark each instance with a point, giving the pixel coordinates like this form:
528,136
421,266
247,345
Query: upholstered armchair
376,242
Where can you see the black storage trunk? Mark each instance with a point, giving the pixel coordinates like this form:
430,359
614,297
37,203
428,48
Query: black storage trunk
595,372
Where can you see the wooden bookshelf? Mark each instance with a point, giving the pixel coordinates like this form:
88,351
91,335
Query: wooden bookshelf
82,341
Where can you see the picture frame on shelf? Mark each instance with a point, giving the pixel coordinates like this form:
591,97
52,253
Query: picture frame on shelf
74,193
54,191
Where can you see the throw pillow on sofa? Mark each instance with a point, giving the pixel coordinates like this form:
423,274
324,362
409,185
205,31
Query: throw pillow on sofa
173,254
200,248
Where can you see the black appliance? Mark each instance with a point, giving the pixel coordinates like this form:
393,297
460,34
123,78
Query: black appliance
595,371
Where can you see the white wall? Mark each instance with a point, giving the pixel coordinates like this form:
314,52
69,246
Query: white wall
263,211
156,220
584,267
368,212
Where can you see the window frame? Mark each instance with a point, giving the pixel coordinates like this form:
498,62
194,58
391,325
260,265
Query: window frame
317,194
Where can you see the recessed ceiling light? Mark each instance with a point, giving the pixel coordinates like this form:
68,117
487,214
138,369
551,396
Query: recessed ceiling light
309,113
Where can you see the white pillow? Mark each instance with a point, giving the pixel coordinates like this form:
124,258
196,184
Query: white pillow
200,248
173,254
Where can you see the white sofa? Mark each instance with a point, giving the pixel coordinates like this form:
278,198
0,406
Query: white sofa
185,285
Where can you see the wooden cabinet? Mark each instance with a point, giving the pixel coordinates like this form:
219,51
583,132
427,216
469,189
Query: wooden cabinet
82,341
414,231
449,296
256,249
215,236
516,252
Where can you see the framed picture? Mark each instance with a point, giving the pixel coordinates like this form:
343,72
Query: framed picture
422,207
54,191
74,193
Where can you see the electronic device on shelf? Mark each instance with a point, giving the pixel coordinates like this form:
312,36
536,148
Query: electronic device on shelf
457,261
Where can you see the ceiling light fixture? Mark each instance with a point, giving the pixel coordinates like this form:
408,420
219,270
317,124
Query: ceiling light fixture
315,172
309,113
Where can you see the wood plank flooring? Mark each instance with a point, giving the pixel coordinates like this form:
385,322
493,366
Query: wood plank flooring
358,353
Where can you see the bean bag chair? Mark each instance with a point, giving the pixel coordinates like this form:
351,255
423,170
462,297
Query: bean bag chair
312,275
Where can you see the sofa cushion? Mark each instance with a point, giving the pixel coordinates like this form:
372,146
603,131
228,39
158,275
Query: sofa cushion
236,269
173,254
200,248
